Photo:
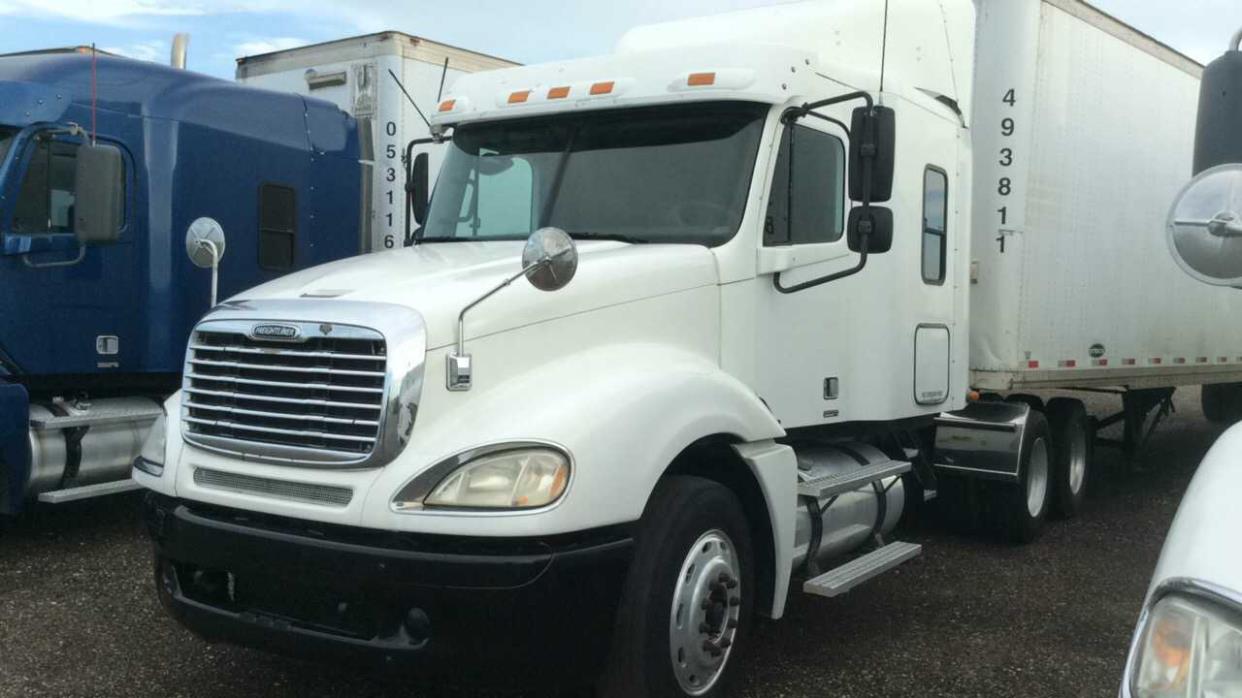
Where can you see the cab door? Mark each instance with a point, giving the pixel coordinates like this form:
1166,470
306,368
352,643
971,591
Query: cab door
803,337
67,305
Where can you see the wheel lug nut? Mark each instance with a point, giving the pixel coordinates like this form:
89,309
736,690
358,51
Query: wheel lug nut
735,601
725,643
711,648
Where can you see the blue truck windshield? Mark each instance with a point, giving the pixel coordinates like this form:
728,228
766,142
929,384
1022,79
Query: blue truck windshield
660,174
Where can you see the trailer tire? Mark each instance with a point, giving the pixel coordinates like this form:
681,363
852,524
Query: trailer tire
1024,506
1221,402
1073,454
692,536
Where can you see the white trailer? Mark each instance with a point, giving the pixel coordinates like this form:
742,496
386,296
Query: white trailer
1083,136
766,272
357,74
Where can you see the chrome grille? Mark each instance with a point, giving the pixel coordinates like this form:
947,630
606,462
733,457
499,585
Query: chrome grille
317,395
299,491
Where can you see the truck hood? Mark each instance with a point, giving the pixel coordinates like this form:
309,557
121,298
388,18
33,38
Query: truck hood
1203,540
439,279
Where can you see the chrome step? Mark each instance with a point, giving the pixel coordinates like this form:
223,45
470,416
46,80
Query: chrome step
851,479
839,580
89,419
88,491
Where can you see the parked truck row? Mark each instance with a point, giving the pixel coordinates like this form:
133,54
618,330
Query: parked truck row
789,273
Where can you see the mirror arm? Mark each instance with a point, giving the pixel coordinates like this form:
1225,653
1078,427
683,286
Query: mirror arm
461,317
868,165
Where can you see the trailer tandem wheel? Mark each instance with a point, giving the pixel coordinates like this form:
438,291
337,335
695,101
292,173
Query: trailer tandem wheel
1073,454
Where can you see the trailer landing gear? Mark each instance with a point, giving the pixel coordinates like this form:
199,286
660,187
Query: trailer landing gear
1141,412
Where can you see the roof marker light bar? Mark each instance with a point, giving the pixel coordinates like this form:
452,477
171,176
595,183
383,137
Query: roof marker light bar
558,92
701,79
602,88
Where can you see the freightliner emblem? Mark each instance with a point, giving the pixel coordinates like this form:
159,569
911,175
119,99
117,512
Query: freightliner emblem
283,332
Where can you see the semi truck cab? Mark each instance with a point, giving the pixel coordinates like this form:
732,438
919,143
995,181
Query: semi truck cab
106,164
680,324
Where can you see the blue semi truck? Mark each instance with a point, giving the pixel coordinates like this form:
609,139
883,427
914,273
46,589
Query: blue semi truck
128,190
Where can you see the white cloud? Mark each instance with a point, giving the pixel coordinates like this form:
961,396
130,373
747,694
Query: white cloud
258,46
155,50
105,11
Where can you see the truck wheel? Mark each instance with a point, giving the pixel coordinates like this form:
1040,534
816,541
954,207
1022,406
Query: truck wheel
687,600
1024,506
1073,452
1221,403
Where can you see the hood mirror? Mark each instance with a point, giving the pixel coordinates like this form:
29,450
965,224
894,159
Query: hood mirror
550,259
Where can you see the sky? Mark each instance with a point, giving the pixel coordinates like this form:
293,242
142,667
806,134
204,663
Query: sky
527,31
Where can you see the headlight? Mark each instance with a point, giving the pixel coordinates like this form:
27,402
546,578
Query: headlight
151,459
1189,648
514,478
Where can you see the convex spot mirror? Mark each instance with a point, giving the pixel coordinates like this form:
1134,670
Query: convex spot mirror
879,220
550,259
873,130
99,203
1204,228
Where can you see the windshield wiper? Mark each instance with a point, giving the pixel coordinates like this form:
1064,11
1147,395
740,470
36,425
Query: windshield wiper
609,236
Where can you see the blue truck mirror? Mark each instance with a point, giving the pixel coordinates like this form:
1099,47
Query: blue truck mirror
100,193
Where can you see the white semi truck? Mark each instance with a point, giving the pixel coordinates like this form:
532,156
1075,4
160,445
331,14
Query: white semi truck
770,254
383,80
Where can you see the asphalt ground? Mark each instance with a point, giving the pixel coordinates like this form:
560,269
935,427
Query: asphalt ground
971,617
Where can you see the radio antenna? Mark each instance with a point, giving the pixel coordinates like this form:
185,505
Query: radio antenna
407,96
443,74
94,91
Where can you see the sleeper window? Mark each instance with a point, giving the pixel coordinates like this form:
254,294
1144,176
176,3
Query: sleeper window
817,197
935,214
278,216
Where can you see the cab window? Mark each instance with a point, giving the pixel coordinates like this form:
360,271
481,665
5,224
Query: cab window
45,202
935,215
808,195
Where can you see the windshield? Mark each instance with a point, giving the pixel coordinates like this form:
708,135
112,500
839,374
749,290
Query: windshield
659,174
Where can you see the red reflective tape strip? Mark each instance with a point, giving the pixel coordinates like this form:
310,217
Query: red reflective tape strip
1180,360
1032,364
1129,362
1100,362
1156,361
1068,363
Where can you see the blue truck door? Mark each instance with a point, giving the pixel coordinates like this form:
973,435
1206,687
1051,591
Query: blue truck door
81,297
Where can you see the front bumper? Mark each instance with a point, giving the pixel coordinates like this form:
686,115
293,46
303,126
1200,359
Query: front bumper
467,610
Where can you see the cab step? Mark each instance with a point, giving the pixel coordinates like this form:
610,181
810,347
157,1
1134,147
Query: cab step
839,580
102,489
851,480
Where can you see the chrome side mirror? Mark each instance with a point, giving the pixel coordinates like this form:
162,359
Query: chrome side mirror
550,259
1204,228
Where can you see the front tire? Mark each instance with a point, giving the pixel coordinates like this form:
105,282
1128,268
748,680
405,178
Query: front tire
688,598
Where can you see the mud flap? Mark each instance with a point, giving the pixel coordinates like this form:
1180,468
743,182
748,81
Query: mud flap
984,440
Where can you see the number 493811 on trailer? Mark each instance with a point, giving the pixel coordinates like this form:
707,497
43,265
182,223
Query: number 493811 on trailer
683,324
